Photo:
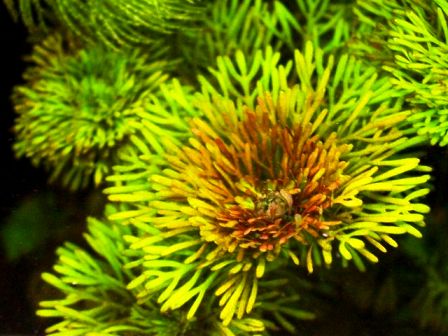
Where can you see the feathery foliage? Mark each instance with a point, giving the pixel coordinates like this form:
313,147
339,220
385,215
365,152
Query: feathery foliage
327,24
228,25
96,301
125,22
370,33
419,40
429,305
293,147
251,25
411,43
271,172
80,107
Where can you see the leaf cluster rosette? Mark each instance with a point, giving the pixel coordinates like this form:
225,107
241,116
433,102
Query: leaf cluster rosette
411,44
81,106
275,170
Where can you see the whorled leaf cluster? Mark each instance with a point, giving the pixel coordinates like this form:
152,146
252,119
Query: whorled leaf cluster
411,43
287,151
81,106
274,173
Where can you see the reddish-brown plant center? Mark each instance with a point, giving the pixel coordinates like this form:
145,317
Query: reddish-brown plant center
292,202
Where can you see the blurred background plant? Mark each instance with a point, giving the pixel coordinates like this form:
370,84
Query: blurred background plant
405,294
125,22
79,107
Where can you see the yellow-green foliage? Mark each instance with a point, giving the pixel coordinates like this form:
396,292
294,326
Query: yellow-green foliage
124,22
250,25
81,106
273,171
284,150
410,40
97,302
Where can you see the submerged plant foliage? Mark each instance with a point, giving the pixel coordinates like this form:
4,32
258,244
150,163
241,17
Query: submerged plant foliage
419,40
230,25
96,300
429,304
411,44
291,151
272,172
80,106
125,22
250,25
327,24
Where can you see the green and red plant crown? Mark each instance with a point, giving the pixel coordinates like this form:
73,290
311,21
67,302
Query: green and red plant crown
272,170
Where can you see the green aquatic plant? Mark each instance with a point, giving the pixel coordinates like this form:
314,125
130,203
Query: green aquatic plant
125,22
228,25
272,172
419,41
292,151
80,106
31,12
252,25
372,16
96,300
327,24
411,43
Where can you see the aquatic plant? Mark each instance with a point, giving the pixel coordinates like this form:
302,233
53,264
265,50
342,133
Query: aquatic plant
327,24
289,142
80,106
411,44
419,40
273,171
228,26
96,300
126,22
252,25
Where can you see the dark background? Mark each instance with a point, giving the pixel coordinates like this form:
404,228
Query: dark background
18,181
35,218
